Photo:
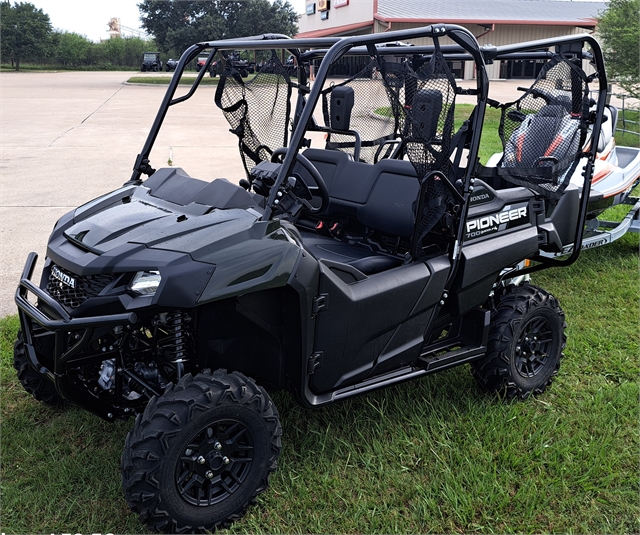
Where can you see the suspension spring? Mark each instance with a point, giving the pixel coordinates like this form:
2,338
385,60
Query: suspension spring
175,346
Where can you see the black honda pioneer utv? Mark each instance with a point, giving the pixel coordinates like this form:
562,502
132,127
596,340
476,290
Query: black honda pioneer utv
366,246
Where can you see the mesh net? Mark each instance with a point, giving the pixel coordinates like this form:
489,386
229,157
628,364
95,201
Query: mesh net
258,111
423,101
371,115
543,131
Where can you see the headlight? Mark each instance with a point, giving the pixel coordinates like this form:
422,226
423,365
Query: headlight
146,282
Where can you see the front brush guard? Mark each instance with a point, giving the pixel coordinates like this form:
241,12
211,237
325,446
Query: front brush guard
60,327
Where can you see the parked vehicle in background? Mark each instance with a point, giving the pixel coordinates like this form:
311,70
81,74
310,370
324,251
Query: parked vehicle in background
233,60
200,63
151,62
171,65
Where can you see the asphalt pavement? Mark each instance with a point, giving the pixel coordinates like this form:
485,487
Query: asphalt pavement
68,137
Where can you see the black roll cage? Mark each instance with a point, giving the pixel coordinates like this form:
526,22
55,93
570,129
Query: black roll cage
330,49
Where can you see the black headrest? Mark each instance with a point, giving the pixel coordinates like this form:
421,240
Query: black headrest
342,99
425,113
552,111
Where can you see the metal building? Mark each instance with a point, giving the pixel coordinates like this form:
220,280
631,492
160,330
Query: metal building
496,22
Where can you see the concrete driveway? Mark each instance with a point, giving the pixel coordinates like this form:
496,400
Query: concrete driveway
68,137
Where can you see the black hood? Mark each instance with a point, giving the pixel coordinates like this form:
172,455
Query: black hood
142,222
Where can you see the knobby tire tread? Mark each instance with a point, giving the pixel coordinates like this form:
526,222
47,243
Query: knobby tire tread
164,418
492,372
33,382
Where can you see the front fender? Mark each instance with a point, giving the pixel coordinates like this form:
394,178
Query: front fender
259,262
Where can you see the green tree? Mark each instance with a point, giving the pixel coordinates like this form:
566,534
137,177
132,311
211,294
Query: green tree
120,52
619,30
177,24
134,48
114,51
25,31
71,48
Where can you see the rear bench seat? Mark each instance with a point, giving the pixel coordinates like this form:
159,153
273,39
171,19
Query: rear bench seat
380,196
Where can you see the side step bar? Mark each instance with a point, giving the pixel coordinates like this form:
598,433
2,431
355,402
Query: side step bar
468,342
427,366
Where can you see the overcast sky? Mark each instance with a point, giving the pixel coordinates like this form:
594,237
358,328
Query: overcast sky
91,17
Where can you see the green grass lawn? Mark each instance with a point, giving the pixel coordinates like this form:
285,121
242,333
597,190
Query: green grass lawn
434,455
185,80
632,124
490,142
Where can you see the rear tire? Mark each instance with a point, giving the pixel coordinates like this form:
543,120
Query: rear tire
33,382
526,341
201,453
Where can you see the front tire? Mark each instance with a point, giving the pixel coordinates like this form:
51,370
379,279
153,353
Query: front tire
33,382
201,453
526,341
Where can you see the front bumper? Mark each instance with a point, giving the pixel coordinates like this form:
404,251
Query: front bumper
57,323
64,322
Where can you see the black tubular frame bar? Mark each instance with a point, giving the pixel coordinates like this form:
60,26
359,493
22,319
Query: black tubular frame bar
330,49
327,47
465,40
597,59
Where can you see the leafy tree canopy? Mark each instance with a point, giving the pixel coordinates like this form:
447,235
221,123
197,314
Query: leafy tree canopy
71,48
24,31
619,30
177,24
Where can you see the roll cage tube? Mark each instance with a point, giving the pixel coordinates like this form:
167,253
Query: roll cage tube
463,37
142,165
458,34
545,262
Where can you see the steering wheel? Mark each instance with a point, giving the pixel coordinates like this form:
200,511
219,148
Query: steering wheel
323,191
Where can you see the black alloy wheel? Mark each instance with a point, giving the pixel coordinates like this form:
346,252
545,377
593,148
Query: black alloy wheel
533,346
215,463
201,453
526,341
